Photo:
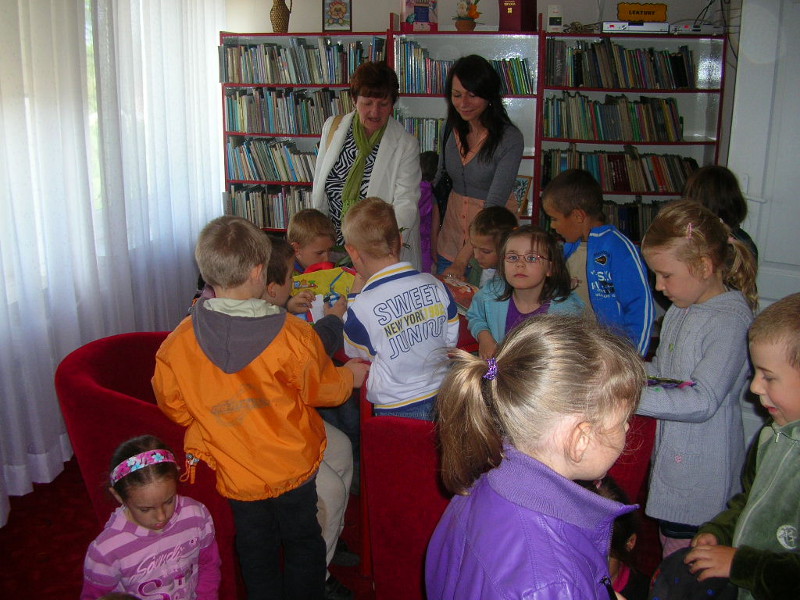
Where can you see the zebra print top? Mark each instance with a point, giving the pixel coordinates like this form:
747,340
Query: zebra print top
334,184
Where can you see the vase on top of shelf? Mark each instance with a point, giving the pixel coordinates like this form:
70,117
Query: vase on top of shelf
279,15
466,15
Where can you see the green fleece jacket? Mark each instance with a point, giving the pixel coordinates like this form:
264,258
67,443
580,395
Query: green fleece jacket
763,521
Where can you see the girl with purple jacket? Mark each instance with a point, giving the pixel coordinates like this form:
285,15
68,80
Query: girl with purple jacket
517,431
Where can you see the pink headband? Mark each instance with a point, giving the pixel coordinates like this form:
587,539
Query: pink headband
140,461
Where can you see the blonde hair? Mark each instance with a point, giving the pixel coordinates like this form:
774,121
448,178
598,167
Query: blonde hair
307,225
227,250
779,323
694,232
549,367
371,227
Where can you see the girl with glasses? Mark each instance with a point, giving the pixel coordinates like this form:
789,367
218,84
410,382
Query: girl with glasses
532,280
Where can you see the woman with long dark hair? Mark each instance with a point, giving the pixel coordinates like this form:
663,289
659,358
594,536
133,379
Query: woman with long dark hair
482,156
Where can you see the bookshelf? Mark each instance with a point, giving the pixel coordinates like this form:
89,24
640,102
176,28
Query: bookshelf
277,91
640,112
422,59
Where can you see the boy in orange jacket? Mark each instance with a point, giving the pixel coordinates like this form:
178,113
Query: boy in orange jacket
242,377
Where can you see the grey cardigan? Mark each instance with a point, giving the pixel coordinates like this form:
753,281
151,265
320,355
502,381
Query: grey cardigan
490,181
699,449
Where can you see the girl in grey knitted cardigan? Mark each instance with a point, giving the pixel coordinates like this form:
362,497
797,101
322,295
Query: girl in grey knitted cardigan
710,279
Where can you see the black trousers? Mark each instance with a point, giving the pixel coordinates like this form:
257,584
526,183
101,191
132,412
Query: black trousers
289,521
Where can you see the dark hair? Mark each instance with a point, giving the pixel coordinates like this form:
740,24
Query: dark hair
557,285
625,525
575,188
429,162
374,80
495,222
278,266
478,77
717,189
145,475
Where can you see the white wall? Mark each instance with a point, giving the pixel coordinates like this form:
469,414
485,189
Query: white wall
373,15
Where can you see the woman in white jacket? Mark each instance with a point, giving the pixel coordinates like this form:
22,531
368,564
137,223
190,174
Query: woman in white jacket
368,153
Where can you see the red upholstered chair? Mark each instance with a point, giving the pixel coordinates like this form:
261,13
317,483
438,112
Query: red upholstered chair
403,499
106,398
631,469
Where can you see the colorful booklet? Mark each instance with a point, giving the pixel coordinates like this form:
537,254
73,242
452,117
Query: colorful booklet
666,382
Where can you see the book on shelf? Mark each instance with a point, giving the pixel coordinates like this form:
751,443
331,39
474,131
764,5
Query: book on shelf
268,159
324,62
268,207
606,64
517,15
419,15
623,172
428,130
617,118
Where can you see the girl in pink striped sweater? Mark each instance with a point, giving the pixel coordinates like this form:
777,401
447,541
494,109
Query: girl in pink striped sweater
157,544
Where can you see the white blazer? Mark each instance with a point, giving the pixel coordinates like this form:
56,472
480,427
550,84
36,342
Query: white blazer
395,178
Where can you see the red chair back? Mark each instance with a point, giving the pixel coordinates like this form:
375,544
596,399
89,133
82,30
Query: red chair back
404,501
106,398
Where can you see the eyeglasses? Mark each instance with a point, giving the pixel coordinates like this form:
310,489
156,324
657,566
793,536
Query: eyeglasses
531,259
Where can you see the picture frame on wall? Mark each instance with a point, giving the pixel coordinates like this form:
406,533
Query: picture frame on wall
522,189
337,15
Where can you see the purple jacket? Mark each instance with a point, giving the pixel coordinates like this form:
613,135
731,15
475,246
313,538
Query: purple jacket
524,531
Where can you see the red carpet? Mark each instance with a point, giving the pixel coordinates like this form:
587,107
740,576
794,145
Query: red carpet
48,531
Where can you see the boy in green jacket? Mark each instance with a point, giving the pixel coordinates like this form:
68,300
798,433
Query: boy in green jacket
755,541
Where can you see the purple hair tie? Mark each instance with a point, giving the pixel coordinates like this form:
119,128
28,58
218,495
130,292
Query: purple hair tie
491,372
140,461
689,229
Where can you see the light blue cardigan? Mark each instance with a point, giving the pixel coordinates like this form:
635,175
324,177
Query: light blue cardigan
487,312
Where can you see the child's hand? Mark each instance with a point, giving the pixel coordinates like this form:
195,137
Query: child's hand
339,307
300,303
710,561
705,539
360,368
487,345
455,271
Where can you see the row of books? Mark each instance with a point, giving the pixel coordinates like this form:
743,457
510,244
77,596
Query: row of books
576,116
605,64
268,159
268,207
623,172
418,72
631,218
322,63
426,129
290,111
515,76
421,74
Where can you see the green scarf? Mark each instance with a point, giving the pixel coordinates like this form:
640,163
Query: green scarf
365,145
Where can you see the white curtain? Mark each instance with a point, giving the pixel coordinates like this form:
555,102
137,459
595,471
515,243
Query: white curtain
110,164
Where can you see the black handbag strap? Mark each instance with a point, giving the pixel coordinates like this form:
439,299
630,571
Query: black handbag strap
445,136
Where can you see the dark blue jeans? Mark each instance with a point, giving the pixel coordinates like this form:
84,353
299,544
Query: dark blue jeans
288,521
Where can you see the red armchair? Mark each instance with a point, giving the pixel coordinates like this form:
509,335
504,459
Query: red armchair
106,398
403,498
